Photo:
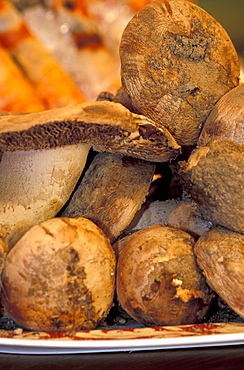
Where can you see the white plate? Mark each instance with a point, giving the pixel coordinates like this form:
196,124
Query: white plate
136,339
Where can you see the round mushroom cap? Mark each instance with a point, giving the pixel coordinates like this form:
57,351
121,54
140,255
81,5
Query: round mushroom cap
158,280
60,276
220,254
176,62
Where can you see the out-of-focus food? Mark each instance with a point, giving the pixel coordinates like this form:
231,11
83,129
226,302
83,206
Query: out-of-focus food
52,83
16,92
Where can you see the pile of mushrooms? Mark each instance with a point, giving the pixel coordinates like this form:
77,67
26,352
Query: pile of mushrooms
44,154
74,183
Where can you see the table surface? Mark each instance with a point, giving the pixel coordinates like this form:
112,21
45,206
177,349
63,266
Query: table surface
216,358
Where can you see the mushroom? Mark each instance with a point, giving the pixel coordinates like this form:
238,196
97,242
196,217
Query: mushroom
158,279
111,191
60,276
226,120
180,213
107,126
44,155
176,62
213,177
220,254
35,184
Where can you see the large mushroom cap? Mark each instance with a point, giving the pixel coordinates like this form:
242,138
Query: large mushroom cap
107,126
176,62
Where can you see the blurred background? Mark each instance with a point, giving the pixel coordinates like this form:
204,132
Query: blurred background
230,13
54,53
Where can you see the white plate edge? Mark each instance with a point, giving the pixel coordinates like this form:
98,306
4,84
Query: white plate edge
25,346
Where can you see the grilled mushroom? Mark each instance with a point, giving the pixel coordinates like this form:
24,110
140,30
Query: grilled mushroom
176,62
44,155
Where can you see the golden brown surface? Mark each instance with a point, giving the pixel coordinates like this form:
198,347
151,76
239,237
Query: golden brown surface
60,276
176,62
113,188
158,280
226,120
220,254
213,177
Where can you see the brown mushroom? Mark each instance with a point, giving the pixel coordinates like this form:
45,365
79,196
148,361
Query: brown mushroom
158,279
111,191
176,62
226,120
180,213
213,177
59,276
45,153
106,126
220,254
3,255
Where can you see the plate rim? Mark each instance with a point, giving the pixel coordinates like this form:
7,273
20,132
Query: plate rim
67,345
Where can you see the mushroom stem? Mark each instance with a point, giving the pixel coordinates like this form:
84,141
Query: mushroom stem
34,186
111,192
